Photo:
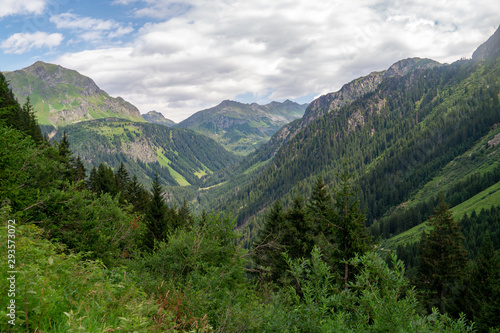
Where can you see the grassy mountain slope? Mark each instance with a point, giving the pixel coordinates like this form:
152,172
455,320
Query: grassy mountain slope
62,96
180,156
243,127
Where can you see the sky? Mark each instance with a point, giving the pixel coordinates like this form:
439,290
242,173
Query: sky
179,57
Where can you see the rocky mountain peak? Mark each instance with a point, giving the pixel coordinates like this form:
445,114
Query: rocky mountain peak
489,49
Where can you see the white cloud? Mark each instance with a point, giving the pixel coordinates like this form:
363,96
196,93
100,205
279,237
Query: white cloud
16,7
91,29
215,50
20,43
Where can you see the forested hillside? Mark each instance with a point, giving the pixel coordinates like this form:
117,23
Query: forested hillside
180,157
241,128
394,140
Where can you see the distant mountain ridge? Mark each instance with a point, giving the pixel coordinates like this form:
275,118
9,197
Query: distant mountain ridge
242,127
347,94
156,117
62,96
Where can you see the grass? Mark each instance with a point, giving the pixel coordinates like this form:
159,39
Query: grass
164,161
483,200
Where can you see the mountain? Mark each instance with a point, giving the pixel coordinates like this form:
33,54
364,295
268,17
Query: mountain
62,96
489,49
180,156
242,127
419,126
346,95
156,117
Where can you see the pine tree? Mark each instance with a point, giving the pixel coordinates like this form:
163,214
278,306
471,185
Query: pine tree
79,169
298,239
319,211
267,247
122,177
483,294
137,195
31,123
352,235
63,147
442,259
155,215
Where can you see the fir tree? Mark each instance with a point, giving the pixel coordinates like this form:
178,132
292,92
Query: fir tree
267,247
319,211
79,170
442,259
156,215
122,177
352,236
137,195
483,294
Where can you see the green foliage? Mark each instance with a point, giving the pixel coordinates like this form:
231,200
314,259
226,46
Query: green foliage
337,227
57,291
483,284
155,218
89,223
379,299
13,115
443,259
199,273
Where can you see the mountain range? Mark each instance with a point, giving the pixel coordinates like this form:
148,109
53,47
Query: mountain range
405,134
240,127
104,129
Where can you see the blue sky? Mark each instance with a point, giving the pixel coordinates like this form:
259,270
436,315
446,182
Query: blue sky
179,57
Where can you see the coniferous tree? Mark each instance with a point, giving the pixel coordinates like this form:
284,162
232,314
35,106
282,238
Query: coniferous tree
352,234
156,215
31,122
122,177
268,246
299,238
79,169
137,195
319,211
483,294
442,260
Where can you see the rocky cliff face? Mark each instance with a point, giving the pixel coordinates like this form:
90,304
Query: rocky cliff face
346,95
61,96
489,49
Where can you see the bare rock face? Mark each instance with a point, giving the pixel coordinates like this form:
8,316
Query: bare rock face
489,49
62,96
350,92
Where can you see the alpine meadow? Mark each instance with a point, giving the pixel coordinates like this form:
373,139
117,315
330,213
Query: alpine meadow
373,208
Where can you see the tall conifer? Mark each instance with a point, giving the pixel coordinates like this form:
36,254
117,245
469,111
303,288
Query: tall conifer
442,259
155,215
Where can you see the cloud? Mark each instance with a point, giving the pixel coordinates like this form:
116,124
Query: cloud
91,29
282,49
16,7
20,43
